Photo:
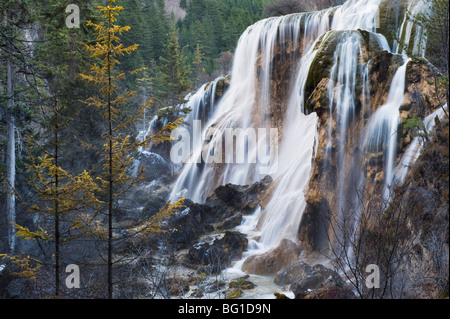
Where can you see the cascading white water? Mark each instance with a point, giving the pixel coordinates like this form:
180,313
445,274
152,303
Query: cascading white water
382,131
349,70
418,44
357,14
282,214
344,73
415,147
235,109
283,211
247,102
202,102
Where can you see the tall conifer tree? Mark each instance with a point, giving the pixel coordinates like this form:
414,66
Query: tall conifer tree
117,161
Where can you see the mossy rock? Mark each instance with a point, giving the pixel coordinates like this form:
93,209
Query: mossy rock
391,16
324,59
383,67
371,42
241,283
222,86
234,293
320,66
280,296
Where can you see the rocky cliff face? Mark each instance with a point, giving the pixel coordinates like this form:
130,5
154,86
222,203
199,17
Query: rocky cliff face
420,100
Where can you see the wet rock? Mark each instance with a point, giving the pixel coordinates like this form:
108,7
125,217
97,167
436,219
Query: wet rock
189,227
218,255
154,165
223,210
320,66
307,279
242,283
333,292
222,86
420,99
154,204
422,95
280,296
292,274
236,288
313,235
391,14
286,254
232,221
234,293
330,165
230,199
317,82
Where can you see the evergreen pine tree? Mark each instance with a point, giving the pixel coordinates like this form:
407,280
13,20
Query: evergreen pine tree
199,67
175,72
57,194
117,161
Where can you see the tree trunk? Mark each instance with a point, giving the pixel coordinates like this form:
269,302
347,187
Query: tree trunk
56,206
110,173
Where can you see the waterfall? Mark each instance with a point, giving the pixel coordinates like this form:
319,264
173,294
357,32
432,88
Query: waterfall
416,44
202,102
357,14
383,127
247,100
341,97
415,147
248,103
282,214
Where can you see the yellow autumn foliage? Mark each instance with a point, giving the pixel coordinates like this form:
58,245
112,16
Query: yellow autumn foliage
25,233
152,225
26,266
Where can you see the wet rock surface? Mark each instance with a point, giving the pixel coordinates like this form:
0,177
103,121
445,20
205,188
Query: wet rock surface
304,279
222,211
216,256
341,157
286,254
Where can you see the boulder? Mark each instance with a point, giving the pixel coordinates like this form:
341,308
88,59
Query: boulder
224,208
309,278
242,283
333,292
285,255
228,200
232,221
236,288
217,255
154,165
153,205
189,227
292,274
222,86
